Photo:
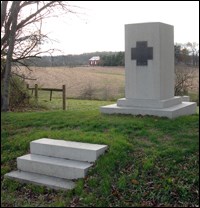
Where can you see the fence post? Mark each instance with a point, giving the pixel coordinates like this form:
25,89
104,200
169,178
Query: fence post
64,98
36,91
27,86
50,94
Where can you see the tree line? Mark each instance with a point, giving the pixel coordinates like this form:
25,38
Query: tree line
107,59
187,54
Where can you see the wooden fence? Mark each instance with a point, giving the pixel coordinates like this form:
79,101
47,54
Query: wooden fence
63,90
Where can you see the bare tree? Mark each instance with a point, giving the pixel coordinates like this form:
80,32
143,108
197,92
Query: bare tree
21,34
194,50
184,80
11,41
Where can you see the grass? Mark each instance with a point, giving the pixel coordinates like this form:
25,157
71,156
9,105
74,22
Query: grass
150,161
79,79
103,83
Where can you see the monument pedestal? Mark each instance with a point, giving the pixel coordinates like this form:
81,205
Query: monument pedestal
184,108
149,74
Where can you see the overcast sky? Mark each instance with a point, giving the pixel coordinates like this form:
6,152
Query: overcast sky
99,26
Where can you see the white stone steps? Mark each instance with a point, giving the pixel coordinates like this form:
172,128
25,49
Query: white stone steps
57,167
38,179
54,163
67,149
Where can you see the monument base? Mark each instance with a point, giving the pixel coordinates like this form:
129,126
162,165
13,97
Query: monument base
149,103
184,108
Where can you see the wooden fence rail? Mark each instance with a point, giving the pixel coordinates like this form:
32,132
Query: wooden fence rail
51,90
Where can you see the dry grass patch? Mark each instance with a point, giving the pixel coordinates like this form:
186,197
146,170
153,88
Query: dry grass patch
106,82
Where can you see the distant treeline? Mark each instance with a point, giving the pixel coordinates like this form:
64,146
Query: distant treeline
182,55
106,59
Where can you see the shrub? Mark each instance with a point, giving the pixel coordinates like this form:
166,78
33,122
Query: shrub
88,92
184,78
18,93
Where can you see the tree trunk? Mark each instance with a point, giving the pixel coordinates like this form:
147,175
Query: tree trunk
5,97
3,12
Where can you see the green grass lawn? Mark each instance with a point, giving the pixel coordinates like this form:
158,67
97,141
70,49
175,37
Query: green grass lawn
150,161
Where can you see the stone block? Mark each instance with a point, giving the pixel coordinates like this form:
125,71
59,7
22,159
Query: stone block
50,166
67,149
184,108
43,180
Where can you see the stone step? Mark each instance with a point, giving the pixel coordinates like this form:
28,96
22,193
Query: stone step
57,167
67,149
38,179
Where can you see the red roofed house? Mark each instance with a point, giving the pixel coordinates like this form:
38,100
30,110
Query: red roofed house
94,61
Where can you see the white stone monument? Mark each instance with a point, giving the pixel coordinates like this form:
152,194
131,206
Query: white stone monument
149,73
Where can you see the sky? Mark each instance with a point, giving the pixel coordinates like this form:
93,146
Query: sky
99,25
